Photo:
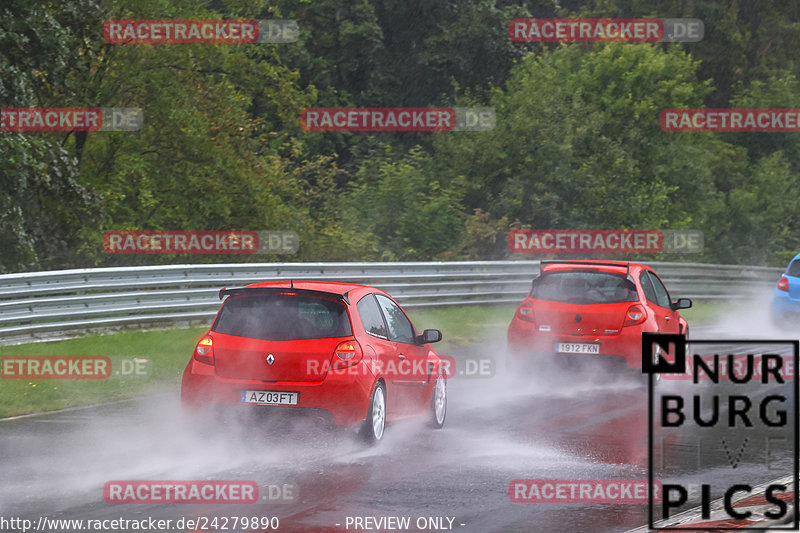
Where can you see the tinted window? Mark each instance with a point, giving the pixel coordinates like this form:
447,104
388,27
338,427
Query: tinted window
662,297
371,317
584,287
400,328
794,269
282,318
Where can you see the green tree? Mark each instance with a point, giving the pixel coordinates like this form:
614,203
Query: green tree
42,202
760,216
744,40
202,159
578,143
411,215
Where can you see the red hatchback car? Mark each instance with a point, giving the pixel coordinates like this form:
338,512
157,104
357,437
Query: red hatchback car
346,351
578,309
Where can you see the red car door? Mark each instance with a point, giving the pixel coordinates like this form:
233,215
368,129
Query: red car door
660,303
380,349
410,372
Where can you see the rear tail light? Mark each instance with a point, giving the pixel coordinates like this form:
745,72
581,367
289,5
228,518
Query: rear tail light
204,351
783,284
635,315
526,313
347,353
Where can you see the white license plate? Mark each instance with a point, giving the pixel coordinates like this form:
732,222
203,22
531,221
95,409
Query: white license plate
266,397
571,347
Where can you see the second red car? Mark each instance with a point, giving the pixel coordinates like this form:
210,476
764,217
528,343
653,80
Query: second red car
593,309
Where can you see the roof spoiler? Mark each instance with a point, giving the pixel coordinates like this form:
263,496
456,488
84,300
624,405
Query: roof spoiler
223,292
585,263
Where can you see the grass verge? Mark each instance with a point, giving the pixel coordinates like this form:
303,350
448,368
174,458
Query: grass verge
169,350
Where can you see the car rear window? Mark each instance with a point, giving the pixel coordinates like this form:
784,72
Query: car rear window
794,269
584,287
282,317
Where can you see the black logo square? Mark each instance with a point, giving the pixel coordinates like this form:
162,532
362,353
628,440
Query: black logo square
663,366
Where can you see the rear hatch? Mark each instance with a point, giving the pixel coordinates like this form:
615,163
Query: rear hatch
244,358
572,319
581,302
300,334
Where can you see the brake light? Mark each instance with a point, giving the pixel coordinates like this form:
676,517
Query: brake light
526,313
204,351
634,315
783,284
347,353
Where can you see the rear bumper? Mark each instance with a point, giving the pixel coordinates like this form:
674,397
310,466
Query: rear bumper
783,306
525,342
344,394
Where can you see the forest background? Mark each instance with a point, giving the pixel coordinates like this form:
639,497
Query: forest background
577,141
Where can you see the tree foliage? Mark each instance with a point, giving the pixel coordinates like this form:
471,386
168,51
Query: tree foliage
577,142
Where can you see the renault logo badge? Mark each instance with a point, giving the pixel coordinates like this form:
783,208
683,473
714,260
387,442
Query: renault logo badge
270,359
577,318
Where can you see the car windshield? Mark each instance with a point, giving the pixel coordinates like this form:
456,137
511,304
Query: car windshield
584,287
282,317
794,269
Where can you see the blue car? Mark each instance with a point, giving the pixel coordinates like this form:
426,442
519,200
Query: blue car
785,305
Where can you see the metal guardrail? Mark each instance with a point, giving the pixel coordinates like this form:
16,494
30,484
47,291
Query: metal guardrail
44,305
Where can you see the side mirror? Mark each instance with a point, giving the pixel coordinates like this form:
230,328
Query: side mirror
430,335
681,303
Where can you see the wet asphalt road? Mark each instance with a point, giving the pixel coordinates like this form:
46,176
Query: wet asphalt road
546,425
